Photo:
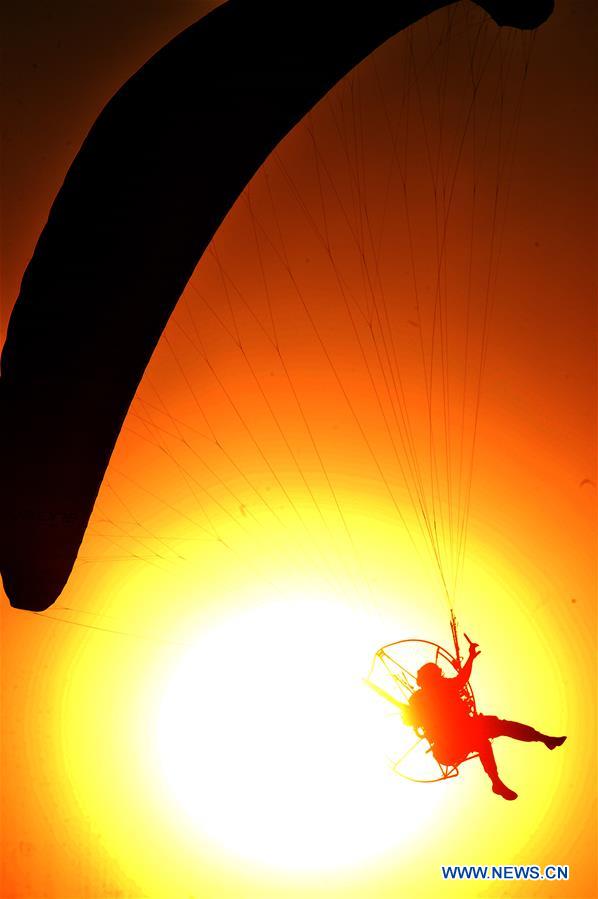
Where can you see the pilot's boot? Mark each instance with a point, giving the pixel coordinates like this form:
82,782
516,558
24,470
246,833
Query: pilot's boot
502,789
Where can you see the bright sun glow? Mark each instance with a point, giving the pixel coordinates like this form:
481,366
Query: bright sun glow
268,739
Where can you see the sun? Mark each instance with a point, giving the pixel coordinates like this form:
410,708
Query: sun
268,740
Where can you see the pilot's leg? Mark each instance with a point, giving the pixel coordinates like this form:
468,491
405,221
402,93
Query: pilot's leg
497,727
489,765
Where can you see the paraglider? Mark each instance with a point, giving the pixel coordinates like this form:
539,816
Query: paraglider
158,172
442,711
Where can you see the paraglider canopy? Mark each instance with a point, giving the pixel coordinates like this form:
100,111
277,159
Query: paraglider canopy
155,177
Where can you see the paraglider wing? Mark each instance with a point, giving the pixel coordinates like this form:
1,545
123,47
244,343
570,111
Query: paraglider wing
159,170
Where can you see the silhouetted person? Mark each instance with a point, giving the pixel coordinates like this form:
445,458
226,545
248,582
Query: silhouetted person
440,709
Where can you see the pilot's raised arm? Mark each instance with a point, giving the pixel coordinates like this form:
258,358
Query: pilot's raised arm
465,673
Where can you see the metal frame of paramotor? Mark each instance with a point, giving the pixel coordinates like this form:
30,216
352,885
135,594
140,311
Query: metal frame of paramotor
405,681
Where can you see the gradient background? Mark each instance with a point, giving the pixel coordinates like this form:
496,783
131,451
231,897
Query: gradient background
236,538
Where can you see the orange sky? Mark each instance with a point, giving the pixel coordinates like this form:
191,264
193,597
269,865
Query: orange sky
252,508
